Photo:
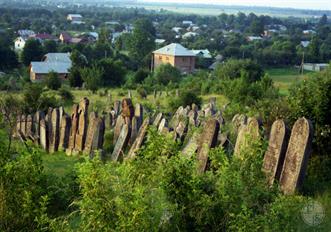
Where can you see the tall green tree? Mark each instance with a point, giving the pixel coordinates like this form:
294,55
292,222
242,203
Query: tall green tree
142,40
33,51
92,77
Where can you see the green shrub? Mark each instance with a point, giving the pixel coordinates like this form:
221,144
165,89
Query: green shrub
53,81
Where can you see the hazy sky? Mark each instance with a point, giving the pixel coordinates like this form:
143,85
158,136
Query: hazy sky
306,4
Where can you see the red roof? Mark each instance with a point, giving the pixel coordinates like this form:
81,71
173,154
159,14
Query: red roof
43,36
66,37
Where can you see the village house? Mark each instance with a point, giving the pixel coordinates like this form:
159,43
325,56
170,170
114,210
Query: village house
59,63
20,43
202,53
175,55
75,18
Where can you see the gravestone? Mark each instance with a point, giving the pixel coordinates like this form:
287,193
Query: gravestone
43,134
29,126
138,113
275,154
118,127
247,136
192,145
23,124
193,115
296,158
122,141
64,132
61,113
129,94
181,130
82,125
162,125
134,130
239,120
117,107
207,141
139,140
55,135
95,134
157,120
37,118
73,129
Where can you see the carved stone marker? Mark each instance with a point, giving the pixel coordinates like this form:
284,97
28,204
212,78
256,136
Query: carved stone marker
73,129
29,126
118,127
96,130
208,140
64,132
127,108
37,118
158,119
138,113
23,124
139,140
192,145
134,130
117,107
296,158
248,135
275,154
43,134
162,125
55,131
121,143
82,125
181,130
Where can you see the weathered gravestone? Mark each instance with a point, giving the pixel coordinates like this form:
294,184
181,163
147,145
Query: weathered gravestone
64,132
275,154
23,124
43,134
162,125
117,107
95,134
73,129
29,126
296,158
82,125
239,120
118,127
207,141
181,130
192,145
193,115
139,140
134,130
157,119
247,136
55,131
37,118
122,141
138,113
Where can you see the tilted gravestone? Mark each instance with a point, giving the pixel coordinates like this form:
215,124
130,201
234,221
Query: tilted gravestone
82,125
207,141
296,158
43,134
134,130
55,135
73,129
139,140
138,113
157,119
29,126
95,134
181,130
118,127
193,115
117,107
247,136
122,141
275,154
239,120
64,132
162,125
192,145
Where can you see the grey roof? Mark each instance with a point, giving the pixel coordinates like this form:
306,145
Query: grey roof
204,53
46,67
174,49
57,57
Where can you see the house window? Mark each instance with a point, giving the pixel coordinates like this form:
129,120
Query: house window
160,57
167,58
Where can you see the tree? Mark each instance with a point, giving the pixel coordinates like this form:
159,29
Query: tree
50,46
75,78
166,73
8,59
142,40
92,77
33,51
78,59
53,81
113,72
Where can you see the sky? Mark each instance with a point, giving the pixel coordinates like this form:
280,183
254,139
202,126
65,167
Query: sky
302,4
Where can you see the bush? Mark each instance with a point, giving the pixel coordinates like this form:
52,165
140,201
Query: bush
53,81
166,73
75,78
66,95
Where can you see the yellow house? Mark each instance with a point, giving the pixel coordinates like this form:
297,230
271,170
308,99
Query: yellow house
176,55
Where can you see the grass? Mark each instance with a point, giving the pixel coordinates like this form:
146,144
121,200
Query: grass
59,163
285,77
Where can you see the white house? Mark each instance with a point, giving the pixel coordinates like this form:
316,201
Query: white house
20,43
253,38
315,67
177,29
189,35
74,17
159,41
187,22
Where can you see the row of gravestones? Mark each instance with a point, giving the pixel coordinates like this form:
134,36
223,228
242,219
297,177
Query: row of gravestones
56,130
285,159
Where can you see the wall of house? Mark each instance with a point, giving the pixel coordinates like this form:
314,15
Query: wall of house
185,64
37,77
